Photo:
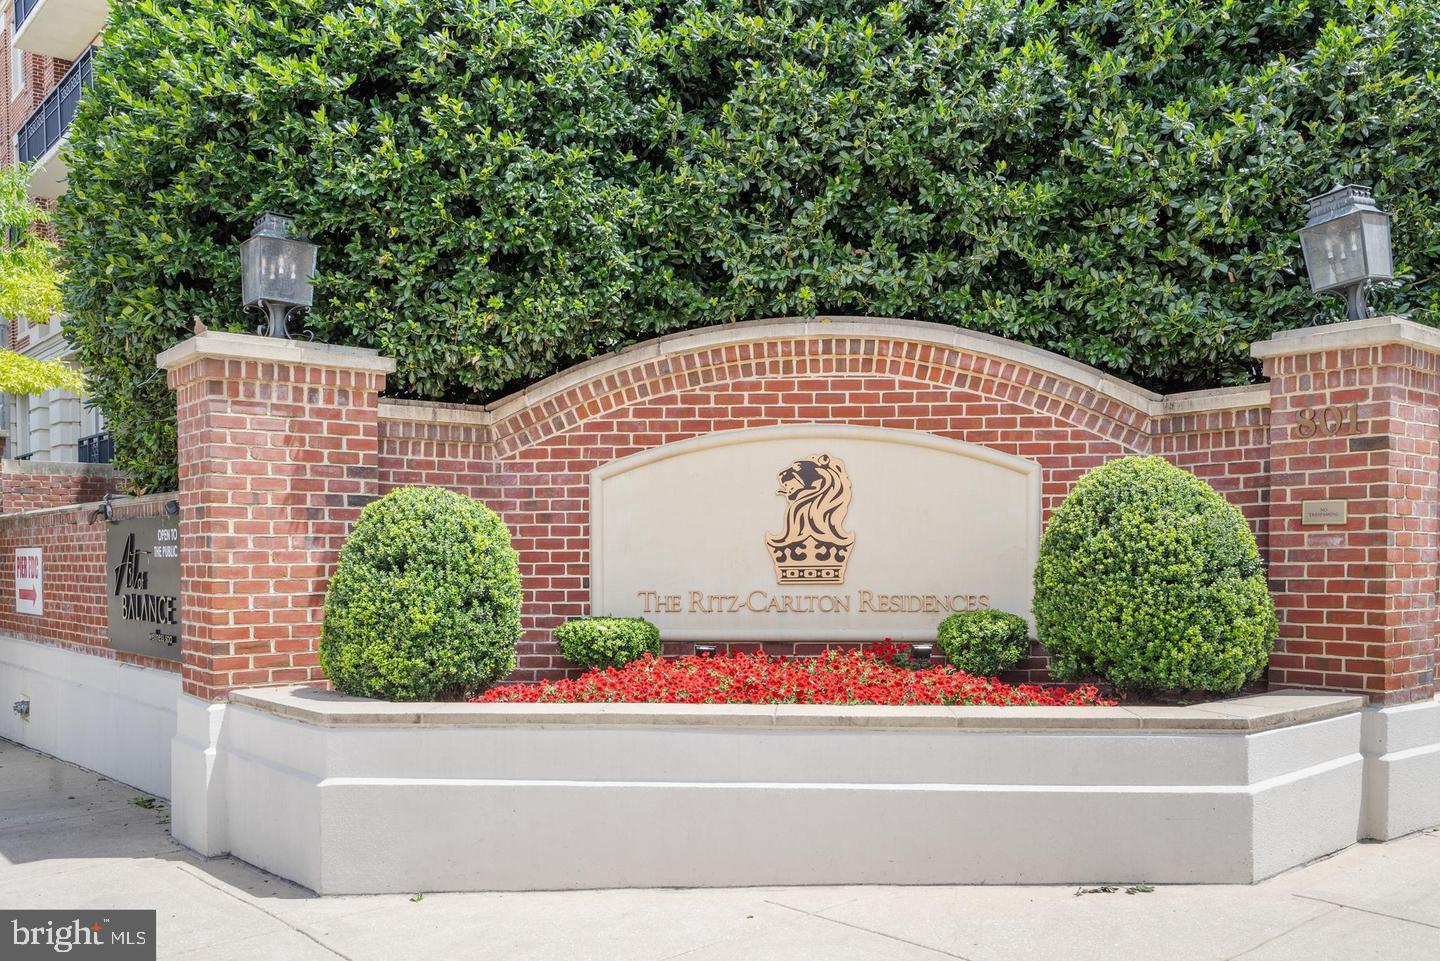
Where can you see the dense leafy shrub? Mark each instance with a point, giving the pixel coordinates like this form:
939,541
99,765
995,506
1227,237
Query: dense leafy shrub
1150,579
984,642
425,602
607,641
500,188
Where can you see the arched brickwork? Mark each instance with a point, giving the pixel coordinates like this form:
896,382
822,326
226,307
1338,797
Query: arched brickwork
283,443
530,455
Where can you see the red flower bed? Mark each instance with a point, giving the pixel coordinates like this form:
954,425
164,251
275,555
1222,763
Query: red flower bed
869,676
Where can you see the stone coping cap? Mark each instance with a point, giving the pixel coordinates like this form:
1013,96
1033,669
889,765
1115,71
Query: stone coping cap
123,504
1245,715
1241,397
432,412
1367,332
67,468
273,350
755,331
840,326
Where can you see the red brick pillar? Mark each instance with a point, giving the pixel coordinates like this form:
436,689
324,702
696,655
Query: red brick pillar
1354,467
278,444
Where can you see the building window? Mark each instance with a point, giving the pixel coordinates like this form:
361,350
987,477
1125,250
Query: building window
17,71
91,420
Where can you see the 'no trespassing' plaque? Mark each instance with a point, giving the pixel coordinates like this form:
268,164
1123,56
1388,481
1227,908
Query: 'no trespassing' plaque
143,584
1324,512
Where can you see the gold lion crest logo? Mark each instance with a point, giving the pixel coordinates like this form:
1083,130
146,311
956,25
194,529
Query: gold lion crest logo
814,546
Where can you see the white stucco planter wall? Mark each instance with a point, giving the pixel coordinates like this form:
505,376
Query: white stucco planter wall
103,714
348,796
1402,769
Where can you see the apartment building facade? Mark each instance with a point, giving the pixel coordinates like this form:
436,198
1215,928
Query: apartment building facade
49,43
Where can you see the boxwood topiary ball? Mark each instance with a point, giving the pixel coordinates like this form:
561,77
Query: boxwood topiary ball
1149,579
983,643
425,602
607,641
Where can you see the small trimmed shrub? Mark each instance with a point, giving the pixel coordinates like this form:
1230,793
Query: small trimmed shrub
425,602
607,641
1149,579
984,643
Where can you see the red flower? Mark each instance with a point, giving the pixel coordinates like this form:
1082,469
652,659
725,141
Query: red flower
868,676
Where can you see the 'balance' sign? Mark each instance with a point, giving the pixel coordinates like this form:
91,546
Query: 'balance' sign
144,589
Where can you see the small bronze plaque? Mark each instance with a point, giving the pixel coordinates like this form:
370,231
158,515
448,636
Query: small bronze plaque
1324,512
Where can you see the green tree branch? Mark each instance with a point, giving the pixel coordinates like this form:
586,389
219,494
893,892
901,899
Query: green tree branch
29,286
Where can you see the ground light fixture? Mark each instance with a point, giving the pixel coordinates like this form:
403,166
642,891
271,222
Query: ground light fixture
1346,243
920,654
276,267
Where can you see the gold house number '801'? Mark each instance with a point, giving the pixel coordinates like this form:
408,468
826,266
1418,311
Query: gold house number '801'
1330,421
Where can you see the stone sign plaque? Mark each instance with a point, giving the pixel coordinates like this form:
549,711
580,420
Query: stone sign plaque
818,532
143,585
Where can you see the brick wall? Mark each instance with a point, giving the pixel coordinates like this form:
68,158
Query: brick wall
277,458
531,460
281,444
74,576
1228,447
40,485
1356,600
440,445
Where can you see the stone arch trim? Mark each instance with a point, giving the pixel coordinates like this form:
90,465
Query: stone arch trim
935,354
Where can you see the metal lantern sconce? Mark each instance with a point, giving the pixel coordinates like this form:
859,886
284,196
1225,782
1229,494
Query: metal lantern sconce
1346,243
276,267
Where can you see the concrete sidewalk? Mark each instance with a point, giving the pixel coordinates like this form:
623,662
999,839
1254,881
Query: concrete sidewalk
70,839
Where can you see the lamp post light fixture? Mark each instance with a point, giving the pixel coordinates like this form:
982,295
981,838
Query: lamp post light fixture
276,265
1346,243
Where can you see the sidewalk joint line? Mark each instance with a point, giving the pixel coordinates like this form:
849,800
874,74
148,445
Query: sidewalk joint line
185,868
858,927
1378,914
1290,930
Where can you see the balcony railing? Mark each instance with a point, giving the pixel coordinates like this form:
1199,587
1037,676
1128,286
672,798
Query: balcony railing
23,9
49,121
97,448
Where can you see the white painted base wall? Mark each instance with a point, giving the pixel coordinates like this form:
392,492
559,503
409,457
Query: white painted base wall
1402,770
106,715
197,788
394,798
630,799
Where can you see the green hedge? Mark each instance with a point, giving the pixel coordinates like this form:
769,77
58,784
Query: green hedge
425,602
1149,579
607,641
500,189
984,643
